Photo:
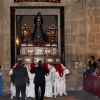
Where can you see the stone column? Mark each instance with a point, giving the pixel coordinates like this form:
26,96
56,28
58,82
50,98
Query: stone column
75,43
5,43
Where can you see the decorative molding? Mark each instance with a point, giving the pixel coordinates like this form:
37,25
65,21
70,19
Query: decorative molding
52,1
82,38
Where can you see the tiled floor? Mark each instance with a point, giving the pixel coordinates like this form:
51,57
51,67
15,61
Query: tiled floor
72,95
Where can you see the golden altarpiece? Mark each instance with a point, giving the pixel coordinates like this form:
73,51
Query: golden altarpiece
37,48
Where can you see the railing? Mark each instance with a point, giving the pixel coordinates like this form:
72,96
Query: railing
91,84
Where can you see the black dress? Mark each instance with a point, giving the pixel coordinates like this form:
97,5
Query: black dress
38,31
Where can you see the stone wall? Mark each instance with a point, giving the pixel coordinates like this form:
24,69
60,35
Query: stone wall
75,44
82,31
82,38
93,27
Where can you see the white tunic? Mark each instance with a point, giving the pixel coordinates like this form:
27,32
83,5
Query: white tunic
30,89
49,82
60,85
48,87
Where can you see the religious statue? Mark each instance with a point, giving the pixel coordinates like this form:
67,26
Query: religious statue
38,31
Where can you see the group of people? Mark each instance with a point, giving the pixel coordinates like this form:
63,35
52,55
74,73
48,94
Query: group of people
38,80
93,67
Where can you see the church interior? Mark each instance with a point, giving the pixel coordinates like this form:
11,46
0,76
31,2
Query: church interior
74,26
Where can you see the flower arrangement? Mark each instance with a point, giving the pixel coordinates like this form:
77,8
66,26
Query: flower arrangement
38,42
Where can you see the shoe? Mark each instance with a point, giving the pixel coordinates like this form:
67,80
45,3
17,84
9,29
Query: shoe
11,97
60,94
65,93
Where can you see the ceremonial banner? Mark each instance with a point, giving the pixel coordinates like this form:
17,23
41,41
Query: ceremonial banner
53,1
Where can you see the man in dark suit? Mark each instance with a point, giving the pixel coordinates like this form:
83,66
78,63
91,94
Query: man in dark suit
20,80
39,80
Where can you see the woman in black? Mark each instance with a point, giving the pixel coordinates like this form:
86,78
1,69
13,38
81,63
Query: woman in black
39,80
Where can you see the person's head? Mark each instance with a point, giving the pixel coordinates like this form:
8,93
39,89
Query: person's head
39,63
19,62
98,61
91,58
38,14
97,69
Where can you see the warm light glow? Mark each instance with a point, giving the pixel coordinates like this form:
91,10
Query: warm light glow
25,33
52,32
25,30
17,41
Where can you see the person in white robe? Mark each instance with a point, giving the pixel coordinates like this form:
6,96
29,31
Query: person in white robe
49,80
48,87
30,89
60,85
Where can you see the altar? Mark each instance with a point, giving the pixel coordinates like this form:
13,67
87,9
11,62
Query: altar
35,48
31,53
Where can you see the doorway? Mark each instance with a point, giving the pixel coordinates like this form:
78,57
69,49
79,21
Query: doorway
18,20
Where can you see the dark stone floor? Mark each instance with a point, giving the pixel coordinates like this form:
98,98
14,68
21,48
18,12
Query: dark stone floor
72,95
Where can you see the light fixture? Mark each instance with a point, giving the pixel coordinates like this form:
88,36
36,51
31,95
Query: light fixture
52,30
25,30
17,41
52,33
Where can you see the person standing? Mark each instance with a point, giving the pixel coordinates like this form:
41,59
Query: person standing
92,64
1,93
12,88
39,80
60,82
20,79
30,89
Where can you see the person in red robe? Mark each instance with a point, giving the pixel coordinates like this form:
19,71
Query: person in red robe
49,80
60,83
